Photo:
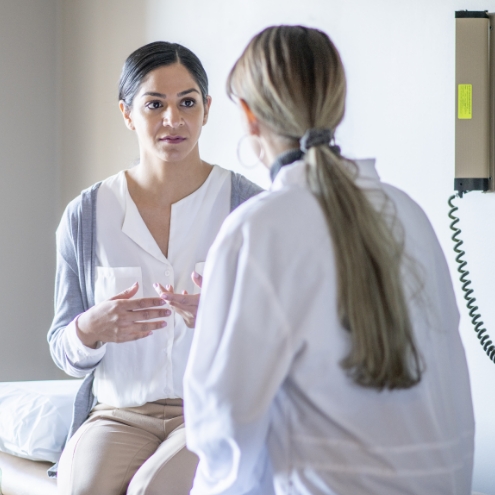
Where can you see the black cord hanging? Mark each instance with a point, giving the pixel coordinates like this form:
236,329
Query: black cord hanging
481,332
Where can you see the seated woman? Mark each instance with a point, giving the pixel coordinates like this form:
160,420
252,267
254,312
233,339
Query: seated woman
151,224
328,361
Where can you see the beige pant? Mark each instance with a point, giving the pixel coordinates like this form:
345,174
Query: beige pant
135,450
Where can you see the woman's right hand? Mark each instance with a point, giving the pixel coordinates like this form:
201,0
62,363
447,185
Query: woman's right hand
121,319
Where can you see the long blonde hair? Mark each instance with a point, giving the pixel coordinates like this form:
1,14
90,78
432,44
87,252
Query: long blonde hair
293,80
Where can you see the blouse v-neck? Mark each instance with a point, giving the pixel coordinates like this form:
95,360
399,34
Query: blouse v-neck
135,227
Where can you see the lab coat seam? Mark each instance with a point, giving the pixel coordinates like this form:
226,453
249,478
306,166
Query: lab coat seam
287,329
385,473
270,290
381,448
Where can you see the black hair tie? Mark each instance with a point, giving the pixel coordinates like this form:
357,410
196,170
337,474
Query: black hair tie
315,137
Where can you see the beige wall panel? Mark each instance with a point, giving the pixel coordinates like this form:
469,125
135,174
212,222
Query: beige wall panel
28,186
96,39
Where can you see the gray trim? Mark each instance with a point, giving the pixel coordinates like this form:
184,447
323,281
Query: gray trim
242,190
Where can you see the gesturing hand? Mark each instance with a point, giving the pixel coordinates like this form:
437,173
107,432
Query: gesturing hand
121,319
185,304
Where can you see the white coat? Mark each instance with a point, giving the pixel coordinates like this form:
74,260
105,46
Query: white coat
269,409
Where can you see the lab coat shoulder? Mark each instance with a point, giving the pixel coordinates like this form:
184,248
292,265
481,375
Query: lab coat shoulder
281,220
276,235
271,250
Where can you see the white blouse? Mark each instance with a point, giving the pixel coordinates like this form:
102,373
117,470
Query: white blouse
269,408
133,373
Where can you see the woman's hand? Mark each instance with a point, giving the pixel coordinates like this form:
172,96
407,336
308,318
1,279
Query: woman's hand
121,319
185,304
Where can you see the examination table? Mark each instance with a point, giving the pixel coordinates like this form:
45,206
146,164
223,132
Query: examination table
34,421
23,477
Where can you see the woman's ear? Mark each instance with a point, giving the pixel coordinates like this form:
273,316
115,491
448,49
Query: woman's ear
126,113
207,106
253,126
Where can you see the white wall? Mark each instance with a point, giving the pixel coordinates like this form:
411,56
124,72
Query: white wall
28,186
399,58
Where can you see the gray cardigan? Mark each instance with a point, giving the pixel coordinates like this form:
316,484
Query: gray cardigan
74,283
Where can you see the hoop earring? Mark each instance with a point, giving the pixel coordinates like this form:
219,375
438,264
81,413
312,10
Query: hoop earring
241,149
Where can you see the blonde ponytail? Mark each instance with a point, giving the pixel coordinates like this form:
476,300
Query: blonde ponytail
371,301
293,80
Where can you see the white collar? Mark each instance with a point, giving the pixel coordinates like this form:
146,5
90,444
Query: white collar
294,174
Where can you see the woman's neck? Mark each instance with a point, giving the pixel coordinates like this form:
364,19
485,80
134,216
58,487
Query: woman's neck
163,183
274,145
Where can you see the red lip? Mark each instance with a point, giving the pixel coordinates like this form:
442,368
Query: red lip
173,139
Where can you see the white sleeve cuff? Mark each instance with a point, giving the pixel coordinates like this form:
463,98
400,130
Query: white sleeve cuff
77,352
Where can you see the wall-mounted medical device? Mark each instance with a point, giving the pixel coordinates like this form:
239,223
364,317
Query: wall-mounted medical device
475,102
474,132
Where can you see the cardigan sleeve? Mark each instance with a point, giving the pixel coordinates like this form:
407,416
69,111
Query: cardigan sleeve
242,190
67,351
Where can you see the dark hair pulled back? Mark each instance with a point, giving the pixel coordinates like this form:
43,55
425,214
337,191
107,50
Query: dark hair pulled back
153,55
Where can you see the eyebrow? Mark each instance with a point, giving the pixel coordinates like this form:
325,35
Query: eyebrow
187,91
162,95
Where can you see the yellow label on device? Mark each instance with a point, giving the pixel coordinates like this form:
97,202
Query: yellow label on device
465,101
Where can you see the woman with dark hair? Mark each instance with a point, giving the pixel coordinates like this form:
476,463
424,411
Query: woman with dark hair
329,360
143,230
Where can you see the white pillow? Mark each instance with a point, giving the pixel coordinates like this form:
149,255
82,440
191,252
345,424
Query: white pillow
35,417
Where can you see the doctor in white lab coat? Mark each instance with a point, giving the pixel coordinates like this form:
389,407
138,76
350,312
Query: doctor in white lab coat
326,357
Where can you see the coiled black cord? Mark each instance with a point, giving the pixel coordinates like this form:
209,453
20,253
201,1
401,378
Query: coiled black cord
484,338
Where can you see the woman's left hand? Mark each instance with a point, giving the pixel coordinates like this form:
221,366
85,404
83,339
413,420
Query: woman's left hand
185,304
